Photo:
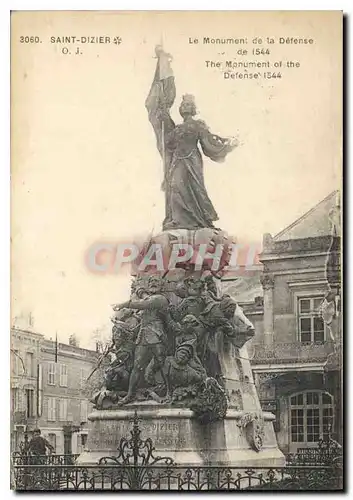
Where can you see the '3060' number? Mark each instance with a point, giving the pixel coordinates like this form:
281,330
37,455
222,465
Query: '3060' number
29,39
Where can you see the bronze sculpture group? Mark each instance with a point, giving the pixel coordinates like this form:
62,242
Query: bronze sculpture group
165,345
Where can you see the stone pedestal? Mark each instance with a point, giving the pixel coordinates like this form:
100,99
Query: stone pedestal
177,434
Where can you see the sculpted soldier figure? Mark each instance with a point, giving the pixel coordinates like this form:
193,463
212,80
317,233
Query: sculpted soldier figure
188,384
183,371
117,374
192,292
151,338
193,329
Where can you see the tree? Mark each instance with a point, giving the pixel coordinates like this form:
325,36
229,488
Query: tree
101,338
73,340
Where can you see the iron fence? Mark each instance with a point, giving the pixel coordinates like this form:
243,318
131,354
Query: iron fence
21,458
327,452
310,456
135,467
174,477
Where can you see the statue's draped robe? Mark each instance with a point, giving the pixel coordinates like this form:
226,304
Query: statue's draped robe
187,203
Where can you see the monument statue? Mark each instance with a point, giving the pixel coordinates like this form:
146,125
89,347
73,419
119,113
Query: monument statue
178,345
187,203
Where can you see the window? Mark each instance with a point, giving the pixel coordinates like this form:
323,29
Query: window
14,354
82,378
83,411
63,375
311,415
17,365
51,373
29,403
52,440
15,399
30,364
311,324
83,439
40,390
51,409
63,410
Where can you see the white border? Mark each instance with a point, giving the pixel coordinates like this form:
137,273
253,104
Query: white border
177,5
5,7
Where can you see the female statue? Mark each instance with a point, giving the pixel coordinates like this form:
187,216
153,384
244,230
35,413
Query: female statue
187,203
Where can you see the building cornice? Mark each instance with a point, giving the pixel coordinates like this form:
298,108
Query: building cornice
26,332
288,367
287,256
311,283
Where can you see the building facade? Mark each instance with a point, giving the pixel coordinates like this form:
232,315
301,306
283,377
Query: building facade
294,353
25,366
49,390
65,395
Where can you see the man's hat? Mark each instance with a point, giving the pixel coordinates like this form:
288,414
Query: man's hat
188,346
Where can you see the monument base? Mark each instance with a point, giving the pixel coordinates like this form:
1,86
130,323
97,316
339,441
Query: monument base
177,434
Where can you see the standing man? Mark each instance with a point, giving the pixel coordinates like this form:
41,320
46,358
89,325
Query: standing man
151,339
38,446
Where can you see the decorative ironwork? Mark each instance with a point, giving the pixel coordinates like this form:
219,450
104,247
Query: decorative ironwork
137,449
26,458
328,453
138,453
136,468
177,478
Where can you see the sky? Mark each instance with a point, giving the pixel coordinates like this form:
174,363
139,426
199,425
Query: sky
84,164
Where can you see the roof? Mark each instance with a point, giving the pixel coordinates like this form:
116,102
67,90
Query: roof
314,223
23,331
67,349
